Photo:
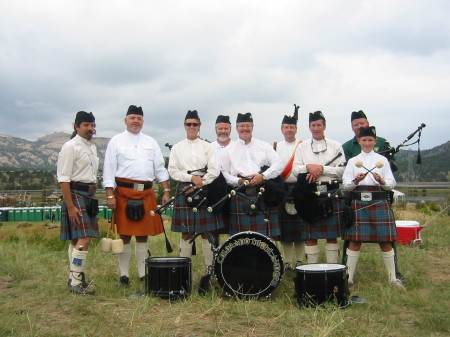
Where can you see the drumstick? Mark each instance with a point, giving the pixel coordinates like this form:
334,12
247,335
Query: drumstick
359,163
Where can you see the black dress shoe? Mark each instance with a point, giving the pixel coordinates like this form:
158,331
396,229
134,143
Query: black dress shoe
82,290
124,281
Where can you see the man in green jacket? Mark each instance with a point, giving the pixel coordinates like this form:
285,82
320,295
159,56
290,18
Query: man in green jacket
352,148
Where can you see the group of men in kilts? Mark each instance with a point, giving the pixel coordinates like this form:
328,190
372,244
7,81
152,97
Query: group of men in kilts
133,161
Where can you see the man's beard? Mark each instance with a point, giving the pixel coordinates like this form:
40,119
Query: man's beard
223,138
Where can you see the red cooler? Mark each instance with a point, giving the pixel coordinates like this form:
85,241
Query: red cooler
408,232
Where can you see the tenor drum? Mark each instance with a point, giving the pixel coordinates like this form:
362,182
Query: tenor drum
248,265
168,277
321,282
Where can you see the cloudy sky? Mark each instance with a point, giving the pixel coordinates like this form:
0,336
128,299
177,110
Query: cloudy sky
388,58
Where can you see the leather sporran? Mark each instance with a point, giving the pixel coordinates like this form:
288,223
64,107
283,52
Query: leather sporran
289,206
135,209
92,206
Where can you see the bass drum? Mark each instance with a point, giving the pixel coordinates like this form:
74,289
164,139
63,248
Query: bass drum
248,265
318,283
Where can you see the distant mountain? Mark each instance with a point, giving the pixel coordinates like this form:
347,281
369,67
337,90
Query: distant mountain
435,165
18,153
42,154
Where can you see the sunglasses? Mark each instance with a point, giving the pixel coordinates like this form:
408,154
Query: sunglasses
191,124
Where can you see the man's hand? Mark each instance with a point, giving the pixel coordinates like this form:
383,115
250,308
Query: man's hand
314,172
74,214
256,179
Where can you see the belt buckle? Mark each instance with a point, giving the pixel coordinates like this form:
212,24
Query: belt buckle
92,189
138,187
321,188
366,196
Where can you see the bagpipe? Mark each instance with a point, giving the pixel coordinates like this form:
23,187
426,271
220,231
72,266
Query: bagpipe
314,200
390,151
196,197
271,192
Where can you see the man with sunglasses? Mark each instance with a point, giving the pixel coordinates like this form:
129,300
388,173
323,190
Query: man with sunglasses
133,161
252,160
320,160
193,163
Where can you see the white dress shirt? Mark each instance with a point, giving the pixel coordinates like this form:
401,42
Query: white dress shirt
285,150
78,161
369,161
189,155
219,148
320,152
135,157
245,159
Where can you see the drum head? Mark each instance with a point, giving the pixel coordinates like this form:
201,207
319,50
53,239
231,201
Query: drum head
249,264
320,267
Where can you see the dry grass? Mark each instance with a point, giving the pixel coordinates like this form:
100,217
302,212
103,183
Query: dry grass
34,300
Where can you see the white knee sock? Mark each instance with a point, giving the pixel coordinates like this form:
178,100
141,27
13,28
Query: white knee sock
185,248
207,252
312,253
332,252
299,251
352,261
69,251
389,263
287,251
124,260
141,253
77,266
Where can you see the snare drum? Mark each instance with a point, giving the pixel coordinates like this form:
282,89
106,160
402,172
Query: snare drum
248,265
168,277
321,282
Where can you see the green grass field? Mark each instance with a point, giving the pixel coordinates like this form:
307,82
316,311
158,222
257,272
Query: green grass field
35,301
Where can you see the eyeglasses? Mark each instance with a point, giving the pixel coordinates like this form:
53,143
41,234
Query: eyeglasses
317,152
191,124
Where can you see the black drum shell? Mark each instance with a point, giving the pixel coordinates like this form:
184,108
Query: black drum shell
248,265
319,283
168,277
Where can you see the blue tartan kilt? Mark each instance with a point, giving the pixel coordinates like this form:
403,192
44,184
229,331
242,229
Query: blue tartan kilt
187,221
373,220
240,221
326,228
88,226
291,226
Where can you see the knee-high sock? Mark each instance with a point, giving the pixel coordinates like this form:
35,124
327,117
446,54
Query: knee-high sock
141,253
207,252
185,248
77,266
332,252
389,263
69,251
312,253
299,250
352,261
287,250
124,260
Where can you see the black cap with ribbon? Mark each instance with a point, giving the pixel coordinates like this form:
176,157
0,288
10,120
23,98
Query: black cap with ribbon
83,116
242,118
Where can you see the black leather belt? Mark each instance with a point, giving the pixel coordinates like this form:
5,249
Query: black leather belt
135,186
83,187
369,196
